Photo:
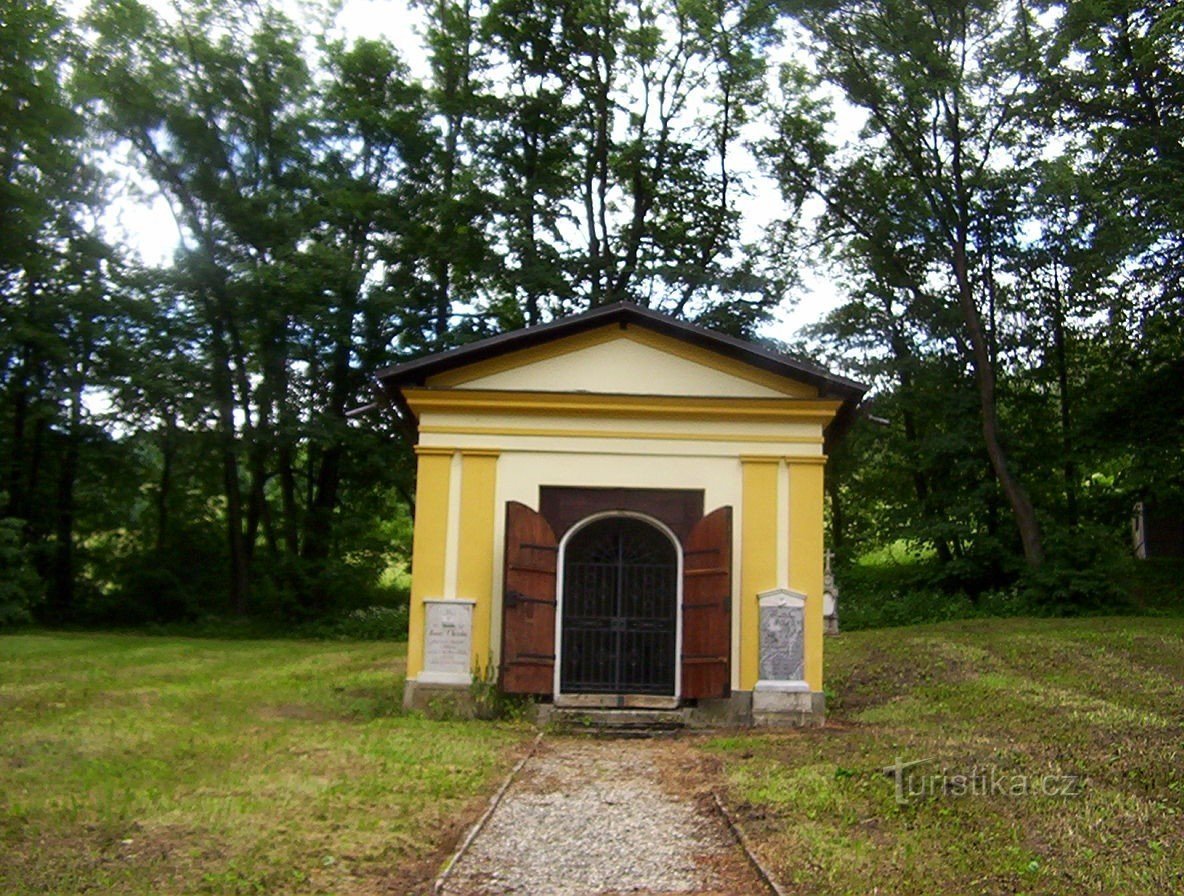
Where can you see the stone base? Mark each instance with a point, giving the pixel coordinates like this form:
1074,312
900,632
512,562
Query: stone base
830,625
723,712
615,701
776,707
618,722
734,711
771,707
451,700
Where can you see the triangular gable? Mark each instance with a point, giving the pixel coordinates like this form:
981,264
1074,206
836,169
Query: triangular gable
742,365
622,360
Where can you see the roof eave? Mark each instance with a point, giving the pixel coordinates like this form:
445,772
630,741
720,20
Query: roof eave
416,372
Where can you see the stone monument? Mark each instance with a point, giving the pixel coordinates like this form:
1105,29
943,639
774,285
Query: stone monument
782,696
447,641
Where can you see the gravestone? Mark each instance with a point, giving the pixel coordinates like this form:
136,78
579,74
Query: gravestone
447,641
782,636
781,696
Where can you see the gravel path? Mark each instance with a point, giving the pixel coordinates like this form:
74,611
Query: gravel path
601,817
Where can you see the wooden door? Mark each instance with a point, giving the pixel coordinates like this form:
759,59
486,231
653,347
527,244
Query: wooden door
528,603
707,607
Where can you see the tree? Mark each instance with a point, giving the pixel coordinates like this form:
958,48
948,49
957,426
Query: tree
56,320
285,177
939,88
663,92
1114,75
531,150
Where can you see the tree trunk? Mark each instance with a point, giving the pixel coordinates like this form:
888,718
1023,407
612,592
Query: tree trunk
61,594
318,530
256,497
35,526
290,525
15,478
984,374
167,450
838,521
1060,354
903,356
224,397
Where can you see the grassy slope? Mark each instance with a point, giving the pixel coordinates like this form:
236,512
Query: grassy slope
165,765
1098,698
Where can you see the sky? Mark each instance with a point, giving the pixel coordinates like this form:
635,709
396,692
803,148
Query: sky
145,222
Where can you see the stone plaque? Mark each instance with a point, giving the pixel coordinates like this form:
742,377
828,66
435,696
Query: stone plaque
448,639
782,635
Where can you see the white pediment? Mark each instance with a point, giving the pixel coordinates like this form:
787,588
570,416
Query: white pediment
628,365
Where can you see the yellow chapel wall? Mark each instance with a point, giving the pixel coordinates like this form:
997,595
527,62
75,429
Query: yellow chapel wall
470,466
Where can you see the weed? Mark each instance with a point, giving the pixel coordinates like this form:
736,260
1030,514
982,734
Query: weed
490,701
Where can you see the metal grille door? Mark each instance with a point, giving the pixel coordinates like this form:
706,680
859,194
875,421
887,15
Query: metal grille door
620,606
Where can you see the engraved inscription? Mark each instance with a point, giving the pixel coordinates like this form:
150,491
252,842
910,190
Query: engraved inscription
781,641
448,636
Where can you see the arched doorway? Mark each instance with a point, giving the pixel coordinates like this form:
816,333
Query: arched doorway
620,609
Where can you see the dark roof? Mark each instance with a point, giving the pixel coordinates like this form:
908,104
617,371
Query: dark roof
415,373
829,385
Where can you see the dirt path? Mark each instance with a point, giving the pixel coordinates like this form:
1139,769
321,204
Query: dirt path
597,817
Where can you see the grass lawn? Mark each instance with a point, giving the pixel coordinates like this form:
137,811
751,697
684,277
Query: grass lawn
999,703
133,764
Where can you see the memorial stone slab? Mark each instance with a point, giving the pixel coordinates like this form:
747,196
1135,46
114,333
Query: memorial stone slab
782,635
448,638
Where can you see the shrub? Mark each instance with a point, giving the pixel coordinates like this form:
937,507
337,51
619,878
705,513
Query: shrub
20,587
924,590
295,588
490,702
177,583
363,624
1078,575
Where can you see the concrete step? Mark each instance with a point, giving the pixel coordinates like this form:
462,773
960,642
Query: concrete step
614,722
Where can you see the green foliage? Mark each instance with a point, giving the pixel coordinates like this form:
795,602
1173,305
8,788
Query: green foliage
21,590
1152,585
1086,574
58,331
175,438
490,702
878,595
377,623
1081,576
944,210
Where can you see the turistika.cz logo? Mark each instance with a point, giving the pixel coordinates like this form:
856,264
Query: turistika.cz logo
913,784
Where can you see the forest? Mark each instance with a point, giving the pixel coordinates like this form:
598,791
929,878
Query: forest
995,188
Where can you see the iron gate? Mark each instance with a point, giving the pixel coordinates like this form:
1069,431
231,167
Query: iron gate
620,610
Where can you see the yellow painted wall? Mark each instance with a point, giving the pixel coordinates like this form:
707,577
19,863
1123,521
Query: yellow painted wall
473,459
427,546
567,433
759,532
806,556
475,545
521,473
